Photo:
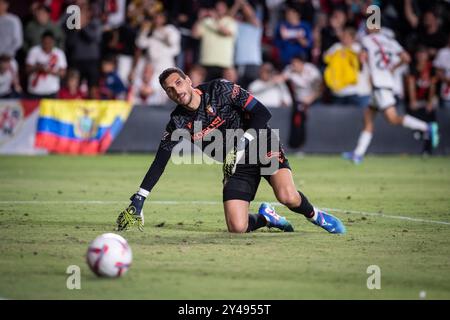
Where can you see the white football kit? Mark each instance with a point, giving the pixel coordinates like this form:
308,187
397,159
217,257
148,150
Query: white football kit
381,51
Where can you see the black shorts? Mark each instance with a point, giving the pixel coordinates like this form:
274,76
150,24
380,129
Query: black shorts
243,184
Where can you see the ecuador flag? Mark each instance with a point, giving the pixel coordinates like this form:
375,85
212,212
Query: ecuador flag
80,126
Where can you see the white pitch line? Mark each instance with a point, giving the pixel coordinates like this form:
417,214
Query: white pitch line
375,214
201,202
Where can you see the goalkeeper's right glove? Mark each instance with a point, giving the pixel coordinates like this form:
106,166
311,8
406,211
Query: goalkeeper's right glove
132,214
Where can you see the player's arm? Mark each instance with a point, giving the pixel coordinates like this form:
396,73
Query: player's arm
133,213
405,58
259,115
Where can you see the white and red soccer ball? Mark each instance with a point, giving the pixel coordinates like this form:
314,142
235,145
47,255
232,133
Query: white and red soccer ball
109,255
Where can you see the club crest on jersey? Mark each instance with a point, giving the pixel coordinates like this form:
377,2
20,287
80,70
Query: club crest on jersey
211,110
235,92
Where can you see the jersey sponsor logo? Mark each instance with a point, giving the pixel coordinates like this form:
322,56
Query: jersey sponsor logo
216,123
235,92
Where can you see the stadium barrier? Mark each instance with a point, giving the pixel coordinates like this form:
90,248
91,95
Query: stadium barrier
329,129
90,127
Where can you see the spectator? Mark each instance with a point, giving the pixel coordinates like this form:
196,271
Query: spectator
9,78
316,50
293,37
40,24
121,43
113,13
306,8
421,87
197,74
306,80
140,10
332,33
248,55
10,31
161,40
275,8
431,34
110,85
217,32
72,89
345,74
442,65
147,90
83,47
45,65
230,74
270,89
184,15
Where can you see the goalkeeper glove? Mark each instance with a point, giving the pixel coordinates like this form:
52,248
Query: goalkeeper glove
132,214
236,155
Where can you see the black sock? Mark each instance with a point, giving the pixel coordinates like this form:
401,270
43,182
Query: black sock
256,221
305,207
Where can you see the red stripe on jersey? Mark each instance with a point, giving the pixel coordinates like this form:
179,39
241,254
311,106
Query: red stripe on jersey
249,99
383,54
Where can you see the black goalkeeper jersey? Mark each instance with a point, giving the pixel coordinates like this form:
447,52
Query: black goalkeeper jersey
223,106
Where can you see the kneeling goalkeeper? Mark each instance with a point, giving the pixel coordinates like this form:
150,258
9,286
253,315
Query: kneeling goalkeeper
221,105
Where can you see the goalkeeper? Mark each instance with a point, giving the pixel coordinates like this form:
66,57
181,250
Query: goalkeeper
222,105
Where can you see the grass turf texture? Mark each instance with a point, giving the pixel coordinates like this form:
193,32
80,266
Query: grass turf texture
185,251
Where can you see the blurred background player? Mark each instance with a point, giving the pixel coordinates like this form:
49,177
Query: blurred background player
221,105
380,51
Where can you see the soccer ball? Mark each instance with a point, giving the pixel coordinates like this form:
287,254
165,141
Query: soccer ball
109,255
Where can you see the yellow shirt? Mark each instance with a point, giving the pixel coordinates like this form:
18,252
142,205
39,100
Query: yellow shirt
342,69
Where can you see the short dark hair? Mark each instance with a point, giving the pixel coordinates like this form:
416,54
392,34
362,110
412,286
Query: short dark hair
44,7
166,73
111,58
49,34
301,57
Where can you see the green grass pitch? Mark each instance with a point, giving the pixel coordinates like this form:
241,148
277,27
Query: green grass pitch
48,216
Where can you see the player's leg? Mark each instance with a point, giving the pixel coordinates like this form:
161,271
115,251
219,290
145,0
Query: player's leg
286,192
365,137
366,134
236,215
430,131
238,191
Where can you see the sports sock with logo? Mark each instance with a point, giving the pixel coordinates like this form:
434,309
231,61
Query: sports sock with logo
256,221
305,208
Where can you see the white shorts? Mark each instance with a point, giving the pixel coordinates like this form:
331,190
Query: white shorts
382,99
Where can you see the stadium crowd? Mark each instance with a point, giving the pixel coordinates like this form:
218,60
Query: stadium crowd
283,51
